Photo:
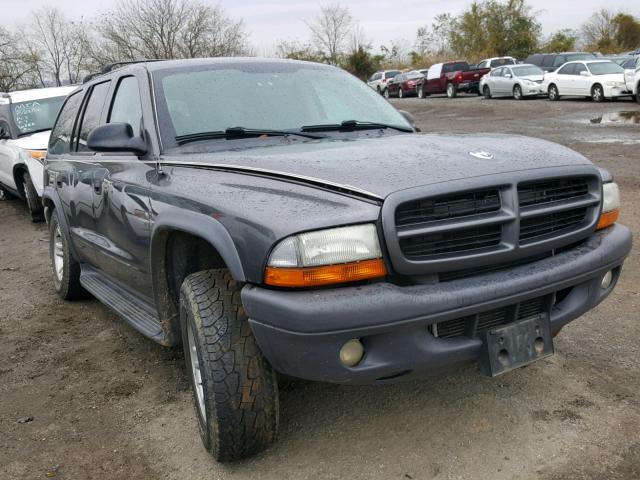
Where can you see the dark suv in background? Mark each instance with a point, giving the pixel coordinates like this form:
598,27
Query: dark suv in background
320,237
550,62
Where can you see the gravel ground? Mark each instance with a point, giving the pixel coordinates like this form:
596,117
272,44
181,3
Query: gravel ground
83,396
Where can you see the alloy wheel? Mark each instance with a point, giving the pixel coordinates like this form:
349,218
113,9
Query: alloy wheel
58,253
196,374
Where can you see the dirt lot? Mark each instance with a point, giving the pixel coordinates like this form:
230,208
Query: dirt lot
83,396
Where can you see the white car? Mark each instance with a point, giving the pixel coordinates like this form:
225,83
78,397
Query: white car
598,79
517,81
496,62
379,80
26,119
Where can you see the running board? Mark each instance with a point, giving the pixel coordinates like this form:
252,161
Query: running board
135,311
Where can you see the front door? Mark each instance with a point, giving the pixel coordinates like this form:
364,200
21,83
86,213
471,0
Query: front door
121,200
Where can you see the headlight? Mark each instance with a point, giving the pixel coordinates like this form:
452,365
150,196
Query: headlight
37,154
613,83
529,82
610,205
324,257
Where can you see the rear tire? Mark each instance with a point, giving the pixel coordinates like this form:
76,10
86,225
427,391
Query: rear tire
235,390
386,93
420,92
597,93
452,90
66,270
400,94
33,200
486,92
554,95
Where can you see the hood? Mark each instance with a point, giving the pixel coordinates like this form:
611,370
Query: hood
387,164
36,141
534,78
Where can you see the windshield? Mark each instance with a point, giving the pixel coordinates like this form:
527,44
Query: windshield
278,96
605,68
528,71
36,115
392,73
455,66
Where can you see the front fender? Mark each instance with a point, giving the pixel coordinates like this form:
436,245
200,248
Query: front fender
200,225
51,200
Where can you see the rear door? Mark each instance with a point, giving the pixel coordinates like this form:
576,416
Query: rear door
71,176
121,196
564,79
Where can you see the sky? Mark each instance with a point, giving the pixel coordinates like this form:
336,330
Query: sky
270,21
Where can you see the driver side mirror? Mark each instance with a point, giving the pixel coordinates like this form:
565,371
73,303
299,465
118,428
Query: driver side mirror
508,75
584,73
409,118
116,137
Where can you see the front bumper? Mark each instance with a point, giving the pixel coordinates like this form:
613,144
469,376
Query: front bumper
612,92
530,90
301,332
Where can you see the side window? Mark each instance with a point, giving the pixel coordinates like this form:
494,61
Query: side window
60,140
547,61
497,72
126,106
560,59
567,69
4,128
579,67
92,114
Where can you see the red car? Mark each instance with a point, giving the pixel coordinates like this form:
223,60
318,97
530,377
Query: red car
451,78
404,85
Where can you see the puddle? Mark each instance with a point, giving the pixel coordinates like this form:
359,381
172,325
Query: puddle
618,118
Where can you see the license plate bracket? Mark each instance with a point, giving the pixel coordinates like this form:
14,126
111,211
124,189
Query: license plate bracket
515,345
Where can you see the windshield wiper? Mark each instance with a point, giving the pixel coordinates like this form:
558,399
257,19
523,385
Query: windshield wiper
348,125
40,130
241,132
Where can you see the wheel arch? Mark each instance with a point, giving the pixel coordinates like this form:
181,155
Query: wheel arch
182,245
19,169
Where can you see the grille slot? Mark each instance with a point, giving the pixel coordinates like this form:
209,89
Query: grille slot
459,327
457,241
549,191
556,222
427,210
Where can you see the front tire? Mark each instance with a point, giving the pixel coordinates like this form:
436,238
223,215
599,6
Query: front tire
554,95
66,270
517,92
386,93
400,94
597,93
486,92
33,200
235,390
420,92
452,90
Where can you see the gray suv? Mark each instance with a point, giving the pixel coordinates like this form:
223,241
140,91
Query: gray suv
320,238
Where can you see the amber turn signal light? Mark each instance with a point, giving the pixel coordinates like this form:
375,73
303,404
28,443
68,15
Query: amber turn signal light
325,275
608,218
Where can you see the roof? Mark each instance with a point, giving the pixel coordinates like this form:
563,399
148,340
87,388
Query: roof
38,93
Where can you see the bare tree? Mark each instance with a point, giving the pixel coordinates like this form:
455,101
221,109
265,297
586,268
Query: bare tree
15,71
599,32
330,30
167,29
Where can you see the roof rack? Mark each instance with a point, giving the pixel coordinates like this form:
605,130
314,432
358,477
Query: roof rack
115,65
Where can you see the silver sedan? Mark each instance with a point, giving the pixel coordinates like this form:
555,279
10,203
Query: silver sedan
517,81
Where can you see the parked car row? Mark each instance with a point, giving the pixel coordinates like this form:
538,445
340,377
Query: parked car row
552,75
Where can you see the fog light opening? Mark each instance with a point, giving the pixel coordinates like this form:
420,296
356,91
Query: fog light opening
351,353
607,279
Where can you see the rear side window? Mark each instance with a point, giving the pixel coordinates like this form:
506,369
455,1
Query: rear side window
60,141
126,106
567,69
92,114
547,61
